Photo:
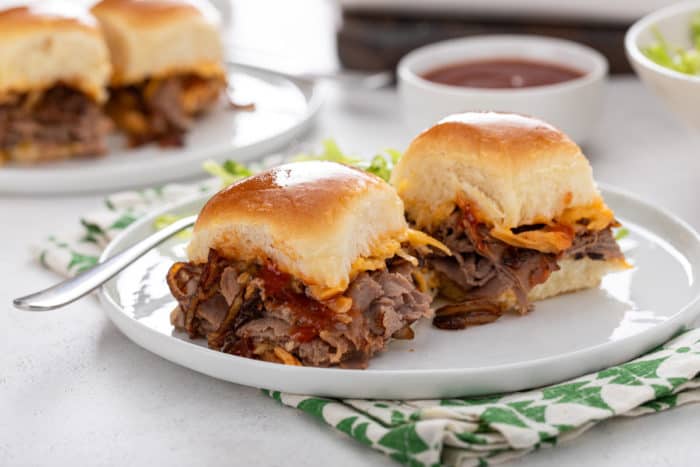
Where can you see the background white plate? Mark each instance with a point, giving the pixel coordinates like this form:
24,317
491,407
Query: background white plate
283,109
564,337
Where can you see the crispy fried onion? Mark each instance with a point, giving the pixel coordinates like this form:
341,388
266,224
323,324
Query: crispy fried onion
206,288
215,339
234,318
286,357
470,313
179,293
405,333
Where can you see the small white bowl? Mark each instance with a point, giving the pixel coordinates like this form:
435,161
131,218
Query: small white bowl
679,91
573,106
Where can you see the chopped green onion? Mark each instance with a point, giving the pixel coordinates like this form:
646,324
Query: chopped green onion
685,61
621,233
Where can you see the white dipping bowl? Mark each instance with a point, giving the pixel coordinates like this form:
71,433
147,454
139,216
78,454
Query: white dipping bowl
679,91
573,106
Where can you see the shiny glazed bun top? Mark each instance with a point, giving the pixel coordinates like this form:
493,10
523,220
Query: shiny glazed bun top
321,222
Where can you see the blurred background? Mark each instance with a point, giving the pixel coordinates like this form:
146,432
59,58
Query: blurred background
322,35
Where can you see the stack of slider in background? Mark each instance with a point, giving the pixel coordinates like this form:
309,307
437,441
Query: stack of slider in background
167,61
151,66
54,68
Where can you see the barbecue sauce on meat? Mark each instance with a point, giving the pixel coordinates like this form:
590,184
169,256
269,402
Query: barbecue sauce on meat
311,315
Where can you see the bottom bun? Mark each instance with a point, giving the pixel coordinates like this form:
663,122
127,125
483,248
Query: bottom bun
32,153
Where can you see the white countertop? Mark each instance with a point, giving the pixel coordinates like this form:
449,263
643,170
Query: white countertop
74,391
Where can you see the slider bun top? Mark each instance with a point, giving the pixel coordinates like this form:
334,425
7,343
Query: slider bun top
160,38
43,43
318,221
511,170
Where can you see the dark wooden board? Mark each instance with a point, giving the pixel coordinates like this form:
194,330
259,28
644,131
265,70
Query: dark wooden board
372,41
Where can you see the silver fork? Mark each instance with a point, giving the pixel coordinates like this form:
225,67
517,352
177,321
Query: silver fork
70,290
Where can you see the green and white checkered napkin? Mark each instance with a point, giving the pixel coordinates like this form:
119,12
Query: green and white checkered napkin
465,431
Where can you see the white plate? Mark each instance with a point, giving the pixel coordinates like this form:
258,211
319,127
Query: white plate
283,109
631,312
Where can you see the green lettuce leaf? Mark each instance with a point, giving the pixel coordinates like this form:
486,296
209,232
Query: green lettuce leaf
229,172
380,165
695,30
621,233
331,152
165,220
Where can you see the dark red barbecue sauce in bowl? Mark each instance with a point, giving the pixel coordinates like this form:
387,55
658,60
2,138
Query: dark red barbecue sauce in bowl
502,73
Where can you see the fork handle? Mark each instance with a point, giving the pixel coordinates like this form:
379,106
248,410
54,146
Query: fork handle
70,290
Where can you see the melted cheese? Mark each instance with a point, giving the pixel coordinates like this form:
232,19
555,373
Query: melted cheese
380,254
599,215
417,238
564,226
421,282
366,264
540,240
322,293
339,304
378,259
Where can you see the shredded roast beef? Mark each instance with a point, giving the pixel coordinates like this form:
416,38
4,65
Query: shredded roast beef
600,245
58,117
482,274
492,270
251,311
156,110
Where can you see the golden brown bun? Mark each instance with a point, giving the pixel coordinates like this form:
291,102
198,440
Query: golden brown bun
314,220
512,170
159,38
45,42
